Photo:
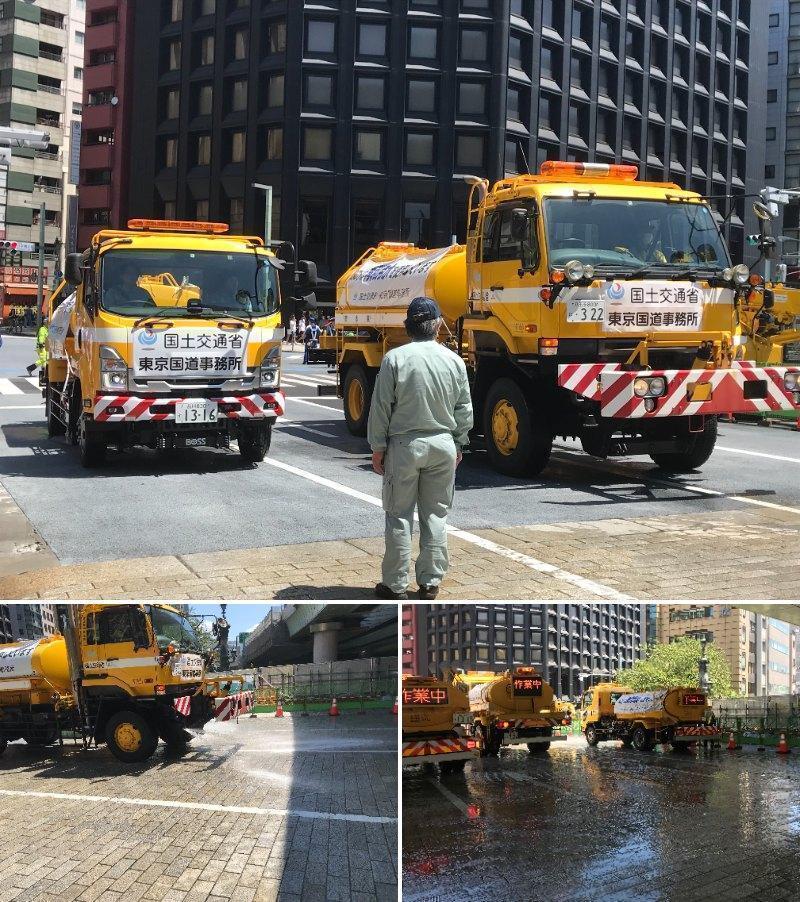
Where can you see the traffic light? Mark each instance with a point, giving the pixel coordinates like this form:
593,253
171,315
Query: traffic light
753,240
10,255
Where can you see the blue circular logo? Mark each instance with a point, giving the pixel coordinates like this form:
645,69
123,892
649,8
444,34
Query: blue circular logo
148,338
616,291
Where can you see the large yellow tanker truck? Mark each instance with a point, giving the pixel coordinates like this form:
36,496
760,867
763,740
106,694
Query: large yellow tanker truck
511,709
114,676
586,304
642,719
436,717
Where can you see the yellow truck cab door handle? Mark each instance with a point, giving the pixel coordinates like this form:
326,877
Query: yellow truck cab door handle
496,287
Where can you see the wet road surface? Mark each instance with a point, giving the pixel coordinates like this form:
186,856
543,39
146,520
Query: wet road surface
605,823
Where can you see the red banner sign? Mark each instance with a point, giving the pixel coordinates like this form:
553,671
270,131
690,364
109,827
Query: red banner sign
20,275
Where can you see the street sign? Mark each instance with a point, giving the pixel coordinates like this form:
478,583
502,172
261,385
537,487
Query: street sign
26,247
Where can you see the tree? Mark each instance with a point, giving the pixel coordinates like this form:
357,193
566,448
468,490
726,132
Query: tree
208,644
677,664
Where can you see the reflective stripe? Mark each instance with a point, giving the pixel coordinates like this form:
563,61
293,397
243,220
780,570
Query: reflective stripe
14,684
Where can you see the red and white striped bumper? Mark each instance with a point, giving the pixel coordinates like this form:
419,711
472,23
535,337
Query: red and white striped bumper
231,706
700,731
428,750
133,408
183,705
613,388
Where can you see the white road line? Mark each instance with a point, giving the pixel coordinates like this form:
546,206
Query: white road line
790,460
34,381
23,406
698,490
290,399
202,806
526,560
451,797
7,387
314,398
291,424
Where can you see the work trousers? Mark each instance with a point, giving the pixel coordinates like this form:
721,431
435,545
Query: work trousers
419,472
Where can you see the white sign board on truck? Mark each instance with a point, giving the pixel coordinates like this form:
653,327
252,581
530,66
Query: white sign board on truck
17,661
392,283
640,702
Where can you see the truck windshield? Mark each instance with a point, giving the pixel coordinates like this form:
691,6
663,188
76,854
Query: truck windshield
624,234
179,283
170,627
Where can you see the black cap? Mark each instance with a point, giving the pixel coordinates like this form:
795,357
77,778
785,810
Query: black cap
422,310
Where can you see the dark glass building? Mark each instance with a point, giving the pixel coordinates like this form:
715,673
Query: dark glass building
572,645
6,632
364,115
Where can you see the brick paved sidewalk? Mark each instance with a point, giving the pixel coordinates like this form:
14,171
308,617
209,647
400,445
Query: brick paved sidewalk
725,555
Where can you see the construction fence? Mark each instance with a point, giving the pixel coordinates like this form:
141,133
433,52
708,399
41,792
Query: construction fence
760,721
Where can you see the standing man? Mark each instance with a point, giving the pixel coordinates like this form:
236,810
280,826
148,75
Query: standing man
419,423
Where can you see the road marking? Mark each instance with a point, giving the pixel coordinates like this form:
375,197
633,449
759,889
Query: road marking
7,387
23,406
34,381
310,403
791,460
698,490
315,398
283,423
451,797
202,806
526,560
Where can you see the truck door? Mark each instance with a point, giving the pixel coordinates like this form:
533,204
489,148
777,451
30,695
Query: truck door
503,255
119,649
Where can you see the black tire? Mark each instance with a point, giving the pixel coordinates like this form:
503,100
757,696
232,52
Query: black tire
642,740
591,735
518,441
136,725
3,745
359,383
92,446
627,742
494,742
538,748
54,426
42,737
701,446
174,735
254,441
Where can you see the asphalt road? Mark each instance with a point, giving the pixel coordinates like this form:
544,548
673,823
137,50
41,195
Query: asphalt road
607,824
143,504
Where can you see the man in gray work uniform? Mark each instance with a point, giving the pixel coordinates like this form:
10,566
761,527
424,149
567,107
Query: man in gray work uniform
419,422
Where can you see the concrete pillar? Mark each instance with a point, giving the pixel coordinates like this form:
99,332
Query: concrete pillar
326,641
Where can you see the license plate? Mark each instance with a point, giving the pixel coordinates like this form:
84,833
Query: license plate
586,310
200,411
512,735
463,718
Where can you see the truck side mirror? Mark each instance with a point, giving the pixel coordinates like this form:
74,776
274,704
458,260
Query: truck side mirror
769,299
285,252
73,269
307,273
519,224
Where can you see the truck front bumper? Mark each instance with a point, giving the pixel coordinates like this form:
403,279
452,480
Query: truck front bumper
142,408
744,388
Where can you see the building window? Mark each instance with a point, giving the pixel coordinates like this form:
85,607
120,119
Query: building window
205,98
317,143
236,215
321,37
772,58
207,50
421,96
176,11
240,44
276,36
372,39
771,134
419,149
275,91
201,210
367,223
370,93
170,209
319,90
417,225
772,95
204,150
471,151
423,42
275,143
314,220
171,152
238,145
77,73
368,146
472,98
239,95
474,45
173,104
174,55
774,20
769,172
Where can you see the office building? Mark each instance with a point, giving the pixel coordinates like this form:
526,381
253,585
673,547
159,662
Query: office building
41,54
572,645
759,650
6,634
365,116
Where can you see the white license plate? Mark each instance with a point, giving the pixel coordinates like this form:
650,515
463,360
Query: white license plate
512,735
463,719
200,411
586,310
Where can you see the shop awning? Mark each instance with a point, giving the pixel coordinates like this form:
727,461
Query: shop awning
22,290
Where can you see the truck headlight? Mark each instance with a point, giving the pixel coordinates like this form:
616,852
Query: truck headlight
575,271
649,386
740,274
113,369
790,381
269,372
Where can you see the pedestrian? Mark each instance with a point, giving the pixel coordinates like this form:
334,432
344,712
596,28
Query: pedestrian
419,423
312,335
301,328
292,331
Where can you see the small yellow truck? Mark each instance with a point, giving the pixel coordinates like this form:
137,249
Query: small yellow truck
171,339
120,674
511,709
610,711
435,717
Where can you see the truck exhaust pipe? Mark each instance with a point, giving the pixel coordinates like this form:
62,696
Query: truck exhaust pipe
66,620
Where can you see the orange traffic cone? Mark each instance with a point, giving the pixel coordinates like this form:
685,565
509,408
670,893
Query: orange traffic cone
279,709
783,746
394,706
334,710
731,743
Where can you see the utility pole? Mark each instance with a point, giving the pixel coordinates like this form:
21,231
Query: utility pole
40,280
705,683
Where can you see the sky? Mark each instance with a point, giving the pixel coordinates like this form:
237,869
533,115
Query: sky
242,617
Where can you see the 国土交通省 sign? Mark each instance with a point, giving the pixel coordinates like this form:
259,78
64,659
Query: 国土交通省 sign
189,353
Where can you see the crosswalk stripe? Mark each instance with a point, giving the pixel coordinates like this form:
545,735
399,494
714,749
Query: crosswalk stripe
7,387
34,381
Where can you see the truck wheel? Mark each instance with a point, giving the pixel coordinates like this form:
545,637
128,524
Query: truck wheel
518,442
254,442
130,737
642,740
54,426
700,449
451,767
174,735
3,745
494,743
92,446
627,742
480,735
357,391
592,737
538,748
39,739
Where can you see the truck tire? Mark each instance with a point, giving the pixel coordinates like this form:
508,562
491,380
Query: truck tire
41,738
174,735
451,767
700,449
54,426
357,396
254,441
517,440
538,748
591,735
493,743
642,740
92,446
130,737
480,735
3,744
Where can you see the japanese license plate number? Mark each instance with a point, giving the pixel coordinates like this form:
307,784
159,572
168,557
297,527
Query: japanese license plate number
463,718
586,310
199,411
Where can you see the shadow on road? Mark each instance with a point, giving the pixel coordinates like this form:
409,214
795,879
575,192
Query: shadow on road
327,593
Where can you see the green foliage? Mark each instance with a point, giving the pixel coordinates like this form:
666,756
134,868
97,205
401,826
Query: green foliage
208,643
677,664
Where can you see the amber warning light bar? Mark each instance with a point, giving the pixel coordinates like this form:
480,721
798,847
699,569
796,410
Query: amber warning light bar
177,225
562,169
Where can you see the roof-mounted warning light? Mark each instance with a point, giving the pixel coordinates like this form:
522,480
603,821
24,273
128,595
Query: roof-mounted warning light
597,170
177,225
